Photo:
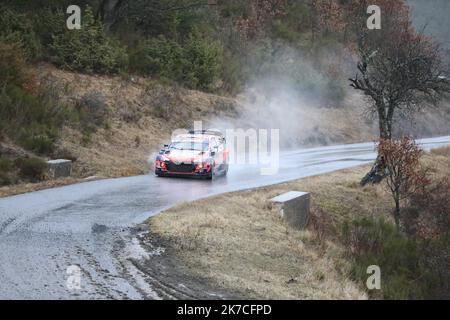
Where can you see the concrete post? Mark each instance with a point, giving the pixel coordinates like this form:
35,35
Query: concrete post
294,207
59,168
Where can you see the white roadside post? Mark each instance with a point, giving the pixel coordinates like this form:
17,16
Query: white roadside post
294,207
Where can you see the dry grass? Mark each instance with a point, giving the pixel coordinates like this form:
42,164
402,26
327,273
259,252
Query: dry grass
438,162
238,241
141,117
140,110
444,152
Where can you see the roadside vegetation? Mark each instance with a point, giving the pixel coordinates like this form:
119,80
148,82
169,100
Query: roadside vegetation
239,242
217,47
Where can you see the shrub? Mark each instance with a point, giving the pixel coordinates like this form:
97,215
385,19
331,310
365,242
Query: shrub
158,56
403,173
93,109
32,169
405,275
17,28
5,179
32,121
88,49
6,168
232,73
5,164
195,63
429,210
436,257
13,69
203,58
40,144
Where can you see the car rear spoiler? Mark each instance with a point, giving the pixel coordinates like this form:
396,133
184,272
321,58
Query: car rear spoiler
207,131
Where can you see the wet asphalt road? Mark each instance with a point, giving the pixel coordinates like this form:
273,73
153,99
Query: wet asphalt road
92,224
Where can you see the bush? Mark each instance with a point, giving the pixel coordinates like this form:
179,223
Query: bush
405,274
6,168
5,179
88,49
92,109
32,169
17,28
39,144
32,121
13,69
232,73
436,257
158,56
203,59
195,63
432,210
5,164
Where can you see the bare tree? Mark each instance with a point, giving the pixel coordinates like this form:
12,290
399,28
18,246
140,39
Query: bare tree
399,70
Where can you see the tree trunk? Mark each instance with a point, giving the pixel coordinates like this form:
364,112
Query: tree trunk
385,128
397,213
107,12
314,21
376,173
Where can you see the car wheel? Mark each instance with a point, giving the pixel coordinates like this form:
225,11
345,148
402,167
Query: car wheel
212,173
225,171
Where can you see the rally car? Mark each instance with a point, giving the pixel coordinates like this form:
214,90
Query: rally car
200,153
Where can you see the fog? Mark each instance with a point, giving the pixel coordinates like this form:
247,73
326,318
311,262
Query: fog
291,91
433,15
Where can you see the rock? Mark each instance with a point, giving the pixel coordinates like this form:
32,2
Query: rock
91,178
294,207
59,168
99,228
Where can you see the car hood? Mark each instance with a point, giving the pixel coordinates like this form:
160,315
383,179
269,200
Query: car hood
185,155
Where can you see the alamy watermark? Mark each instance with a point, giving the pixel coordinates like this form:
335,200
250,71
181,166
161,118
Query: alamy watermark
374,280
374,21
252,146
73,22
73,281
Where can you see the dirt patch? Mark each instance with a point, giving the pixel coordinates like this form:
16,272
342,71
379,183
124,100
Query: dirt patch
170,277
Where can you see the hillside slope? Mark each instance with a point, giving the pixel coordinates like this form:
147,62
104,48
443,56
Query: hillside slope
141,113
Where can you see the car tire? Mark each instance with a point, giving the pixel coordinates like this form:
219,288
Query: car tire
225,171
212,173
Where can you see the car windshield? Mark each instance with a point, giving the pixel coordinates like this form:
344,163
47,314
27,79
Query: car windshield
190,145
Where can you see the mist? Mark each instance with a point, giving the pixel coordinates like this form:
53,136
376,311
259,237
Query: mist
294,92
433,15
